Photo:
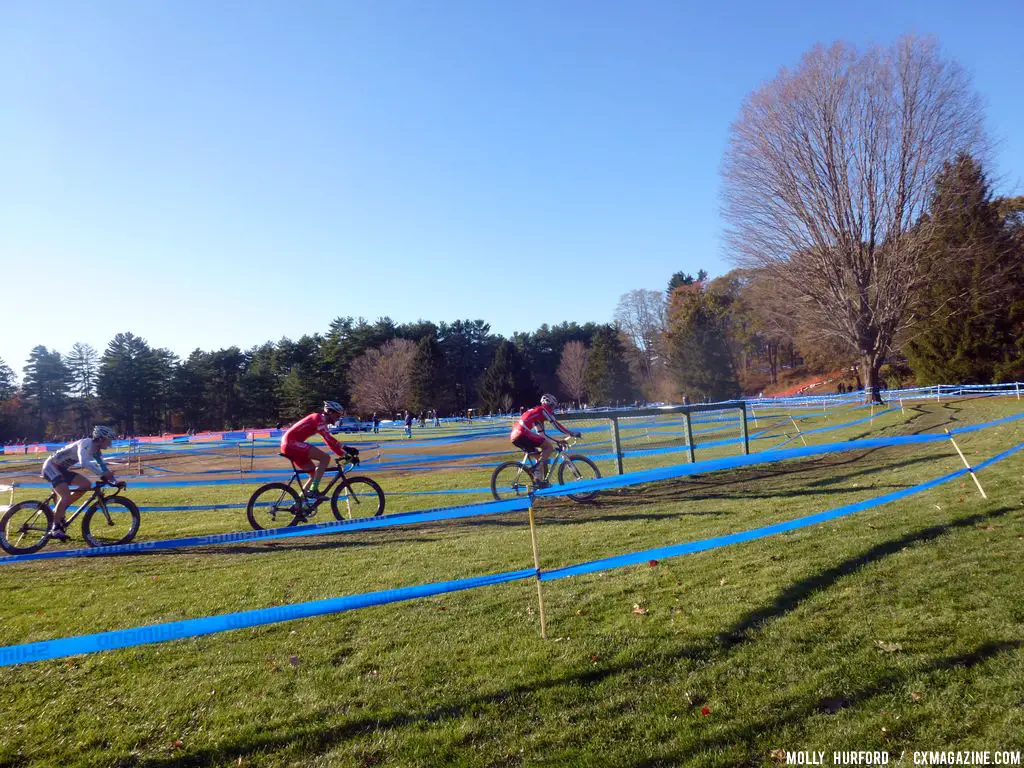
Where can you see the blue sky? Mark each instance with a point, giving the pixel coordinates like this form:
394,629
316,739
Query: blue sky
213,173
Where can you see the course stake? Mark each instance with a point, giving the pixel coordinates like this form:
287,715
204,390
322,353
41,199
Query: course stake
798,429
966,464
536,564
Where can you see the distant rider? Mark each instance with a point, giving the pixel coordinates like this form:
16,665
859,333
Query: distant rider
295,447
68,485
528,434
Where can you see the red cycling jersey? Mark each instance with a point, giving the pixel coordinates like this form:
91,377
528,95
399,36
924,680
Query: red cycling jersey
314,424
533,421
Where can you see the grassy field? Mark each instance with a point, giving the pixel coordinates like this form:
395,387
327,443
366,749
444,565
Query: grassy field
897,628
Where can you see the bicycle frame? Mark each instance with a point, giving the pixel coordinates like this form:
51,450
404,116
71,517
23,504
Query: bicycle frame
561,446
96,495
338,472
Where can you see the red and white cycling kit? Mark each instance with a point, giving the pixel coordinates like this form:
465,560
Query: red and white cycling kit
294,445
528,431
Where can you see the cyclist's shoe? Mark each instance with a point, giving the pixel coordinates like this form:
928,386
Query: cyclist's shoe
58,534
538,484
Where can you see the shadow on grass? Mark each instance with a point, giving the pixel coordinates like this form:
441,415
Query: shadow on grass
797,593
320,738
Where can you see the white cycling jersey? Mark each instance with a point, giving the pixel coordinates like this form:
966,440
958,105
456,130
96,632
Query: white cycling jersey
81,452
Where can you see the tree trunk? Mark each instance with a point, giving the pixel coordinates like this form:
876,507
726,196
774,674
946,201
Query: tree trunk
870,365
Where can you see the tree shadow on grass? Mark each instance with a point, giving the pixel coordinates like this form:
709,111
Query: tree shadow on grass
795,594
317,739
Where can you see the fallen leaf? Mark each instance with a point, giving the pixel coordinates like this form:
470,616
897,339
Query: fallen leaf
594,658
915,696
177,744
705,711
888,647
778,755
293,660
721,583
652,563
639,610
580,613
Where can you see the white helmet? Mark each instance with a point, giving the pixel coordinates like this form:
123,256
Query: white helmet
100,431
331,405
549,400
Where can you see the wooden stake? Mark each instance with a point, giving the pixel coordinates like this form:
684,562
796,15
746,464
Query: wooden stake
798,429
753,415
1018,390
966,464
536,564
901,407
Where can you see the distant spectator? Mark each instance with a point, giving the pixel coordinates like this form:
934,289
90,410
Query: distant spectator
408,424
423,419
376,423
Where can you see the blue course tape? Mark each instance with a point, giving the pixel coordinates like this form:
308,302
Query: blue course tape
313,529
660,553
159,633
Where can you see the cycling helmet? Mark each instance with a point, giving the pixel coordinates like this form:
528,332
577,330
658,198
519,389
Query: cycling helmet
549,400
100,431
331,405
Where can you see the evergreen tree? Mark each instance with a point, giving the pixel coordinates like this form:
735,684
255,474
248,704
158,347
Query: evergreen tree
963,325
427,377
507,384
7,384
607,377
45,386
129,381
700,359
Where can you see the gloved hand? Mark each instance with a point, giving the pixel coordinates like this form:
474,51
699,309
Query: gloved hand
577,435
351,449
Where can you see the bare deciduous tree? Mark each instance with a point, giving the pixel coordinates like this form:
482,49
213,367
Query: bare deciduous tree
829,168
572,370
641,316
380,379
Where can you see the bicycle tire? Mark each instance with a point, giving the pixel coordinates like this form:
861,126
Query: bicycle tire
286,507
35,543
360,503
577,476
512,485
94,537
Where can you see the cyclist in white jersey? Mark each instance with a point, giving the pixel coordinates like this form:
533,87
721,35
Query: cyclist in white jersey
69,485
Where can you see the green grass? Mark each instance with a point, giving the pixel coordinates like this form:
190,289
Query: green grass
896,628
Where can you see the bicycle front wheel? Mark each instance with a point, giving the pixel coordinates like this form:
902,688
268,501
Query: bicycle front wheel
511,480
110,522
24,526
357,497
578,469
274,505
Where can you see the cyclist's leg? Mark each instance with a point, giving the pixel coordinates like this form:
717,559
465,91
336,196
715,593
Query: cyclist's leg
322,460
299,455
546,448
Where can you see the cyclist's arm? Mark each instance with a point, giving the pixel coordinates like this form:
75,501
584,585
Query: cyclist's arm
558,425
333,444
90,459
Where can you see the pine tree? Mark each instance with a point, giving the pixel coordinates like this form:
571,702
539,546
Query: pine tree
45,386
507,383
607,377
963,325
700,358
427,377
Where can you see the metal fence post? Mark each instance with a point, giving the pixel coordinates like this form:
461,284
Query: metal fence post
689,437
743,429
615,441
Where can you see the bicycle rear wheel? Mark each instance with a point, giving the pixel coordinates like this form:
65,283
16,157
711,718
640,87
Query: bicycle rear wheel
511,480
24,526
111,522
577,469
274,505
357,497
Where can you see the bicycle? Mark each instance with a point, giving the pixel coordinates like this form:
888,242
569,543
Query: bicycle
25,527
280,505
513,479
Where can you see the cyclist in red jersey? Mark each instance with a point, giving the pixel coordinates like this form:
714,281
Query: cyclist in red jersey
528,434
295,447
